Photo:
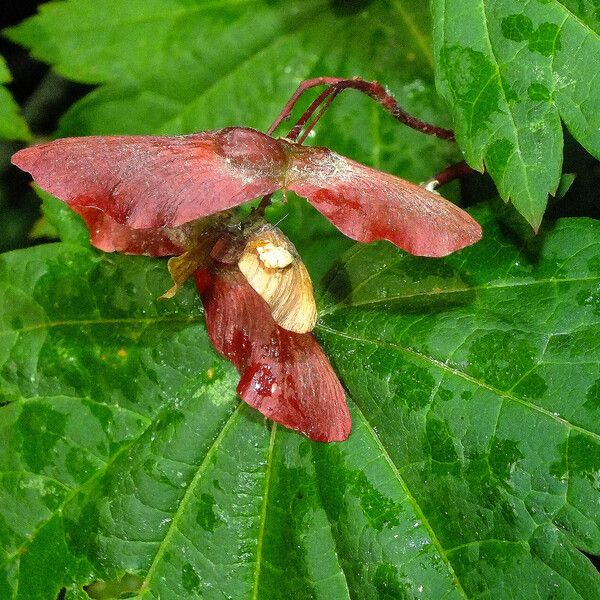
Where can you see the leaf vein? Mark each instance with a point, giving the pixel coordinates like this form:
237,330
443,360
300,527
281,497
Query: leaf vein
263,512
187,497
572,15
439,364
412,500
116,321
440,294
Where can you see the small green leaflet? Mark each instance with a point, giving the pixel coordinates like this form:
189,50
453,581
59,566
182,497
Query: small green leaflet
511,70
12,125
472,469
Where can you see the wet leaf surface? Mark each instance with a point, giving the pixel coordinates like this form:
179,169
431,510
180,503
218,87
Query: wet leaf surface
472,469
511,71
477,375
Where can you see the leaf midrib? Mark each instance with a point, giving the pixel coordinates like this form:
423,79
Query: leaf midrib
572,15
162,547
523,165
413,501
417,34
263,512
440,294
457,372
100,321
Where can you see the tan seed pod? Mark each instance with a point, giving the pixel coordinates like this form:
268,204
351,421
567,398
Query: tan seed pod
199,246
274,269
181,268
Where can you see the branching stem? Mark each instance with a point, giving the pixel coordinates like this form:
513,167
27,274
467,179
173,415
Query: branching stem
328,100
373,89
328,94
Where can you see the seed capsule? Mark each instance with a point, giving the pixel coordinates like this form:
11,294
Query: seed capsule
274,257
272,266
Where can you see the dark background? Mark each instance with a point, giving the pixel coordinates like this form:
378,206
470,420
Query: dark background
43,97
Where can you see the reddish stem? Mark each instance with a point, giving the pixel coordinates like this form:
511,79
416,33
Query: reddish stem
370,88
329,99
297,128
459,169
265,201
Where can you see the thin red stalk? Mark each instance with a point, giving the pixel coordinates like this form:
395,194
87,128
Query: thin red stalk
297,128
374,90
329,99
455,171
308,113
266,200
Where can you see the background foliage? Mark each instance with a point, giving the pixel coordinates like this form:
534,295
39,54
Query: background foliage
127,464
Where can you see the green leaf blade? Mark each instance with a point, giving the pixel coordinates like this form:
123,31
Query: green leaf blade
468,382
12,125
510,74
488,364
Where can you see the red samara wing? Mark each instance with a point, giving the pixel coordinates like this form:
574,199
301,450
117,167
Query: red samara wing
111,236
151,181
284,375
368,205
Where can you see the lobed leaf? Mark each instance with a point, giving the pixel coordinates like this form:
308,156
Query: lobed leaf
12,125
471,471
511,70
478,375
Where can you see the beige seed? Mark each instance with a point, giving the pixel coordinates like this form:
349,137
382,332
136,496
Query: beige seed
276,272
274,257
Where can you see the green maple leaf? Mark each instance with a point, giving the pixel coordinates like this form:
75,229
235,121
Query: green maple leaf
12,125
511,70
471,470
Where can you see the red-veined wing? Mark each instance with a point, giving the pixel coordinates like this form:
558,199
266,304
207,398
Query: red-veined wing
151,181
368,205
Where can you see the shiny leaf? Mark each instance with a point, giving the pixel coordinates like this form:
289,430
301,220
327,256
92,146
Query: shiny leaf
471,469
478,376
511,70
12,125
128,463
